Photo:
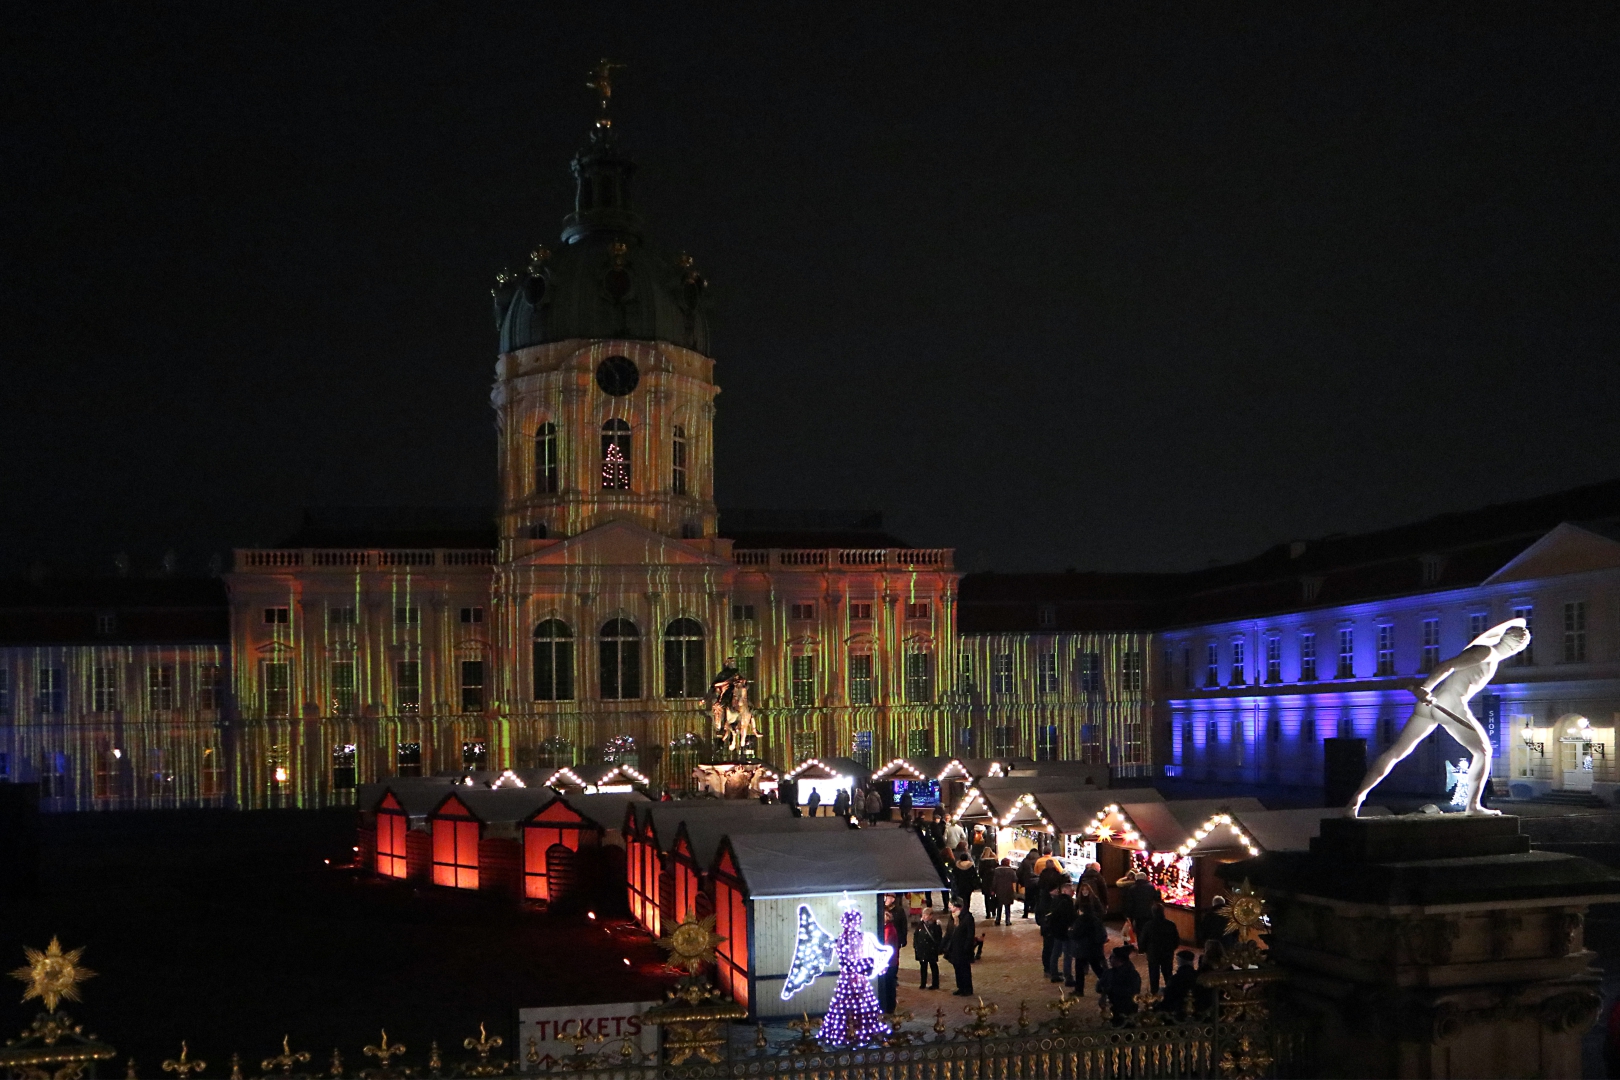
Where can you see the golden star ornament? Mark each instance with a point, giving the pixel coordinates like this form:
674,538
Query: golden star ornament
53,976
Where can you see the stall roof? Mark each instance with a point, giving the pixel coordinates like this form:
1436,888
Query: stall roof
1003,791
592,775
1165,825
828,767
786,865
705,831
1278,830
416,799
1071,811
501,805
1099,775
666,817
933,768
607,810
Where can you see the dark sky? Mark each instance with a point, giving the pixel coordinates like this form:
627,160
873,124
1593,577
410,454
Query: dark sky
1130,288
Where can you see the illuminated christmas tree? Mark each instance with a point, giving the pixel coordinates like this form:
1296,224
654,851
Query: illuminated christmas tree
615,470
853,1015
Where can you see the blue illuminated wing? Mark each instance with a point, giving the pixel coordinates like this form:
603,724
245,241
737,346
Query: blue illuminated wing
812,952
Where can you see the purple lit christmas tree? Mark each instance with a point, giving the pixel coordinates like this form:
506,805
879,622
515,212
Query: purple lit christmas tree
853,1015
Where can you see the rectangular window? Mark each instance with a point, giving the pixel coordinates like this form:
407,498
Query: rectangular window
1273,658
106,624
748,665
475,755
408,758
1240,669
408,616
1091,673
1386,649
472,616
1431,646
804,681
343,688
920,742
52,690
1307,656
860,679
861,611
619,653
105,689
742,612
392,825
211,780
1130,671
455,853
545,459
1575,632
964,674
210,687
1528,656
1477,624
343,773
408,686
1003,741
160,688
275,679
342,616
802,611
5,692
472,686
1046,616
1046,742
919,610
1046,677
861,750
1002,677
1187,677
677,481
919,678
1347,654
277,616
1212,665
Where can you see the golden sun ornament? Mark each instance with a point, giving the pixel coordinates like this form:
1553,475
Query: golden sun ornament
53,976
1245,910
691,944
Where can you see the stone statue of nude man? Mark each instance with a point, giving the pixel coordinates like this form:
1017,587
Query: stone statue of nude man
1443,702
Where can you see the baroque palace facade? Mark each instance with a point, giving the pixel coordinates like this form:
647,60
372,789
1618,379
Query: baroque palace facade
586,624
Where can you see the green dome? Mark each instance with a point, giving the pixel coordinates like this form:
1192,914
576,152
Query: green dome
603,280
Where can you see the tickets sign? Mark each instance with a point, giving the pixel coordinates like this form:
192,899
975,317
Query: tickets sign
546,1036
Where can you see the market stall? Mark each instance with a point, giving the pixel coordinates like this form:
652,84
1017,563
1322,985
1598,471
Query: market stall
932,781
760,882
617,779
827,776
649,830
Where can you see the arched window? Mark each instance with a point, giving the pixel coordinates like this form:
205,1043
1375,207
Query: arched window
621,660
677,481
545,459
553,661
616,456
684,671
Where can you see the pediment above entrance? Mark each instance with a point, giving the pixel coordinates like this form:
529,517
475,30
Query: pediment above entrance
620,543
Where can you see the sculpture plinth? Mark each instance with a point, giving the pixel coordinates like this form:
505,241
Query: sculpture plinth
1435,946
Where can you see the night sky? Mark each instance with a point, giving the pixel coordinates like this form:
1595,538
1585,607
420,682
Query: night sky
1132,288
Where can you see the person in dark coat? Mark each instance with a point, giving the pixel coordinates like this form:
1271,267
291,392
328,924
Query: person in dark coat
1138,901
987,885
1059,954
1049,879
1124,983
1178,990
1160,941
841,804
936,827
1213,923
812,805
1005,882
926,942
894,936
964,878
1090,936
1214,959
874,806
905,808
1026,880
959,947
1092,875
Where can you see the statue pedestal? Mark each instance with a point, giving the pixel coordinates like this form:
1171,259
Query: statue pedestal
1434,946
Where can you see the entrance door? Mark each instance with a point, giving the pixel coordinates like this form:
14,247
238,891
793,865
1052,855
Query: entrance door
561,875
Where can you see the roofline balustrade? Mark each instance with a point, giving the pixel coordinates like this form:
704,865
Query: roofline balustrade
360,558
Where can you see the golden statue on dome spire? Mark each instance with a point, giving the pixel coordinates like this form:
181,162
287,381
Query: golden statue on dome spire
602,82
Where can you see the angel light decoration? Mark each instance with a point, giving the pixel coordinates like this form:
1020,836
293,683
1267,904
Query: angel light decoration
853,1015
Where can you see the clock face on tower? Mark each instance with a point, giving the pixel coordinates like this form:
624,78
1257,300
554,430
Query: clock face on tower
617,375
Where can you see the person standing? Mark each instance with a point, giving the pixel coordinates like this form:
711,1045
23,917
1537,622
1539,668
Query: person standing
936,827
1139,901
812,805
1005,882
926,942
905,808
894,936
954,834
964,879
959,947
1099,887
874,806
1055,930
1124,983
841,804
1163,938
1090,936
987,884
1178,989
1026,879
